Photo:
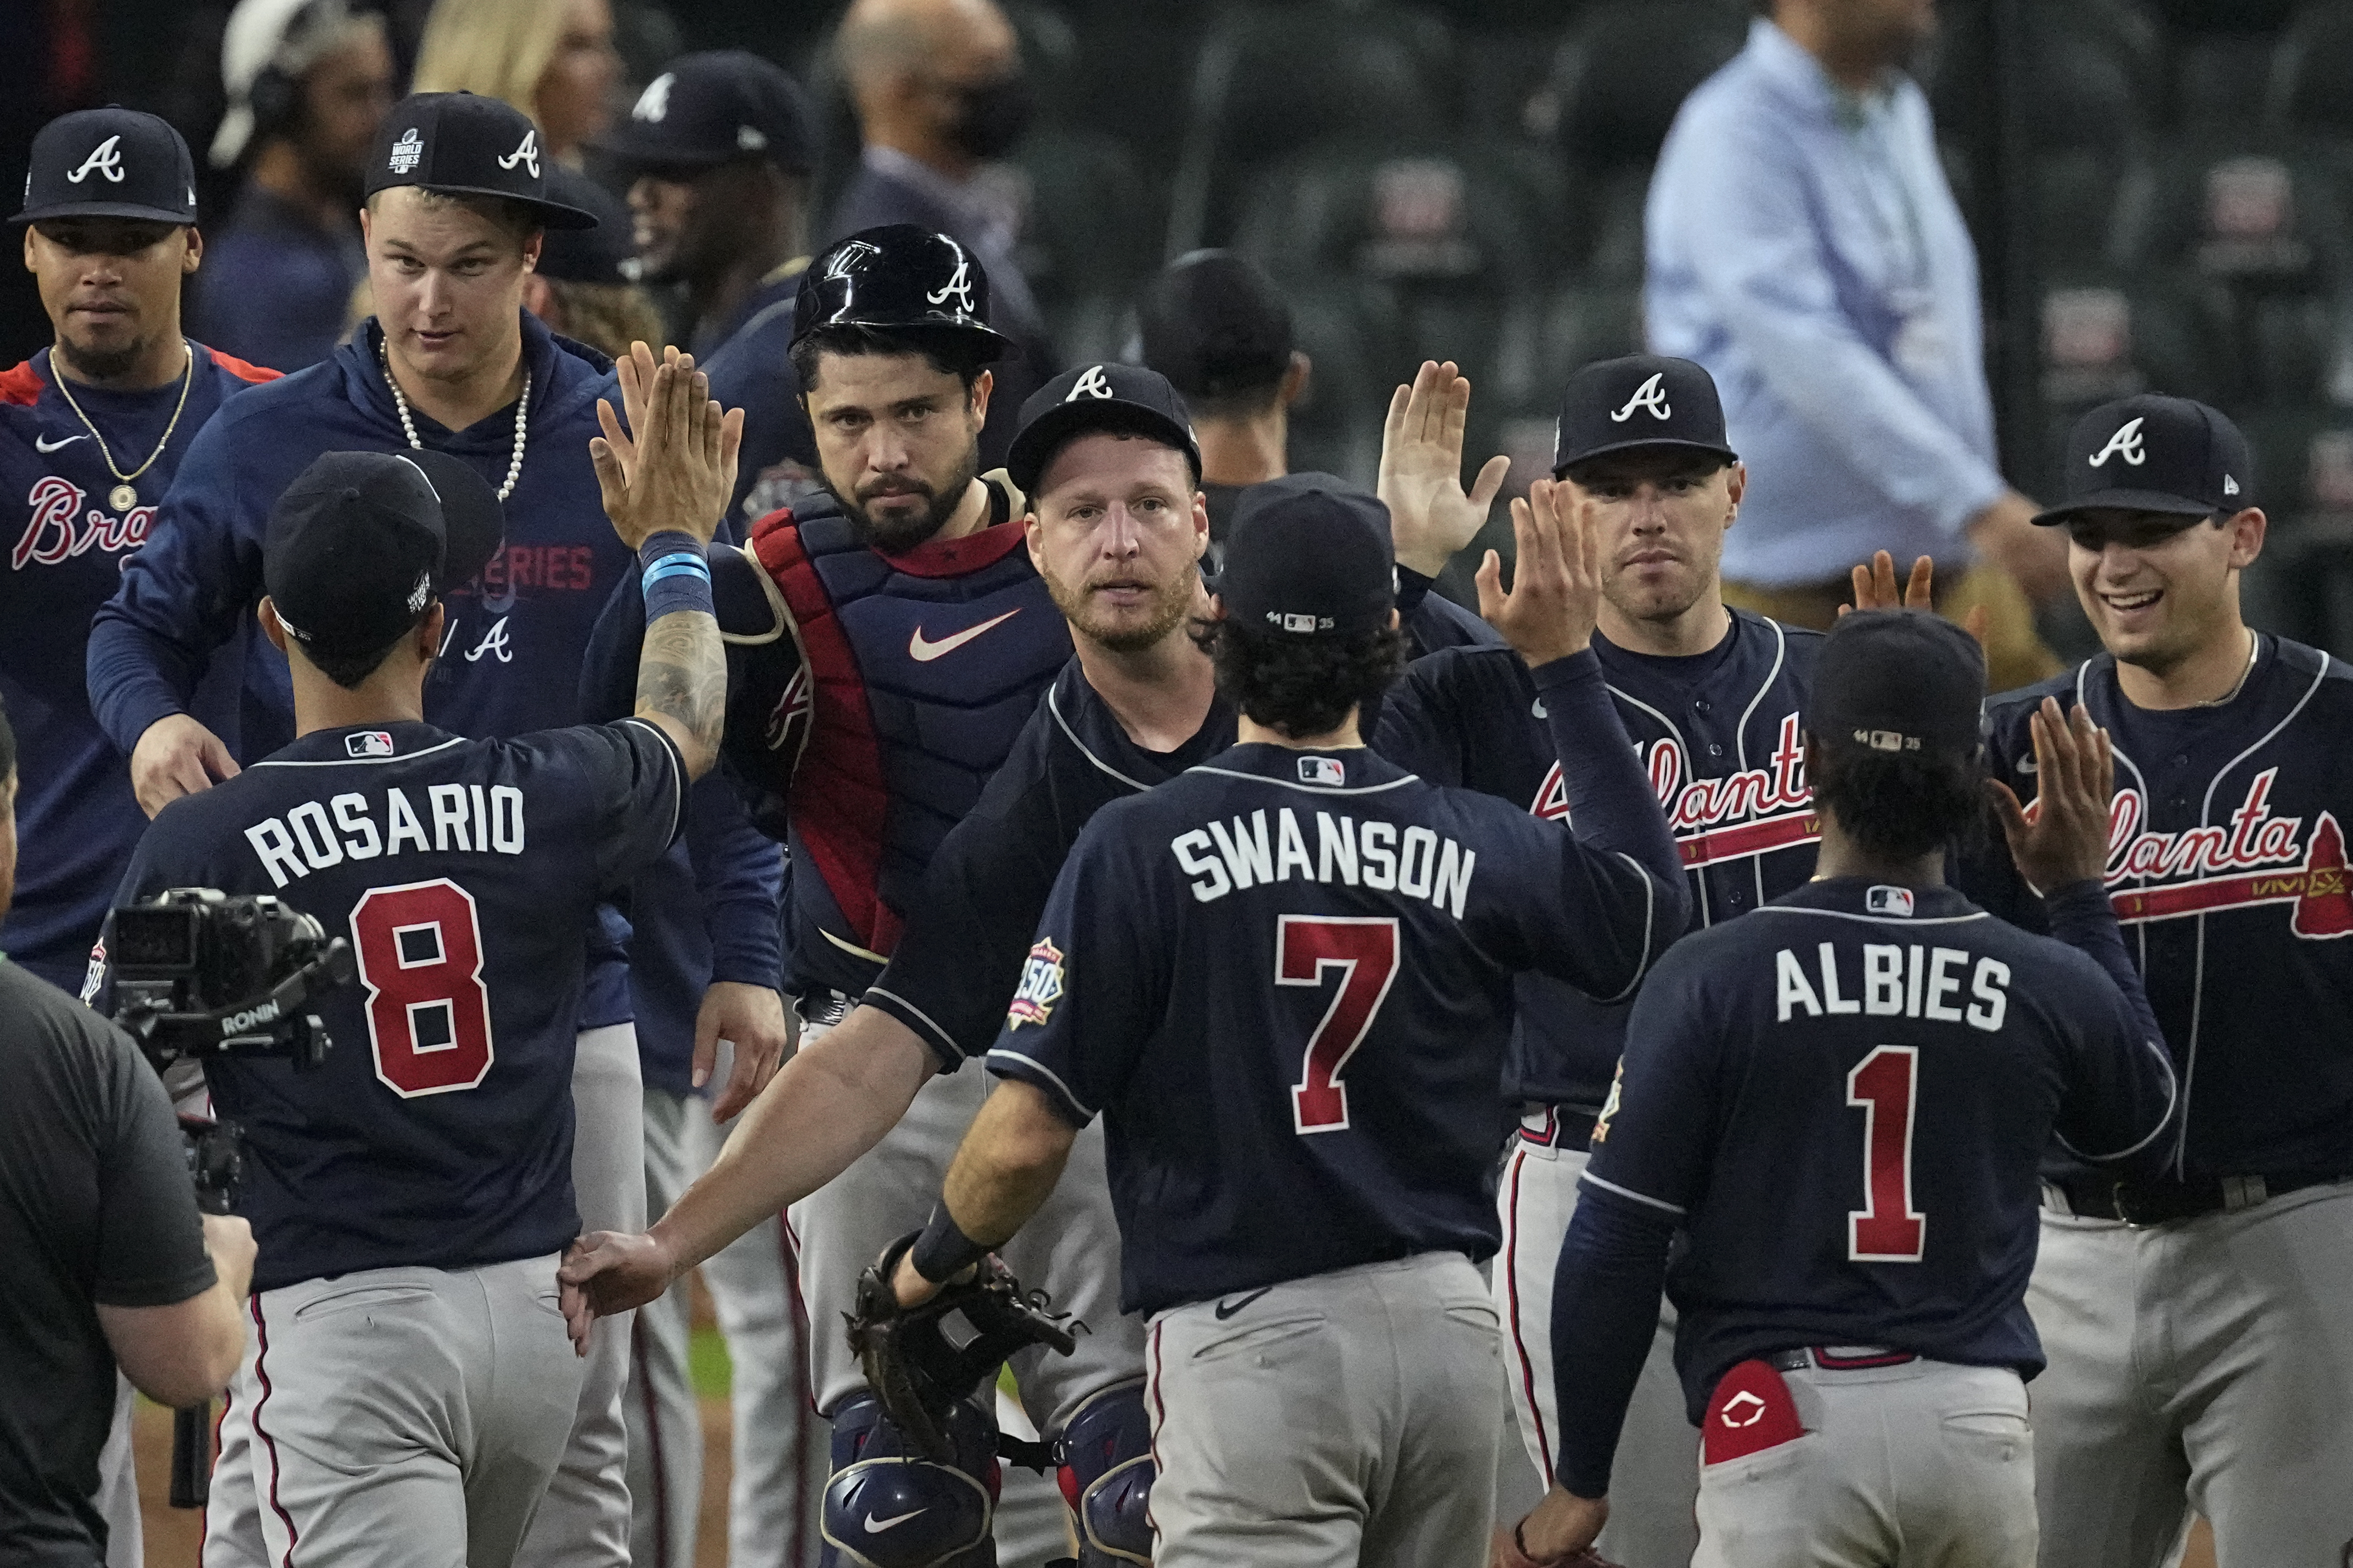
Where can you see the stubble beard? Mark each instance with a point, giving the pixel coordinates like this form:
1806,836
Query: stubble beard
891,535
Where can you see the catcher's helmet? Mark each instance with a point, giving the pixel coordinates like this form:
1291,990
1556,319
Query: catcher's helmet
898,278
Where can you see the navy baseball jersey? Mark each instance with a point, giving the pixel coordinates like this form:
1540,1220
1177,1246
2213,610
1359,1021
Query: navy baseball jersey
870,698
955,968
1718,735
1842,1101
1286,977
2227,869
466,875
76,816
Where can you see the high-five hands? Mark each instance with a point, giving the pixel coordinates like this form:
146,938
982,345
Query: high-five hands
1431,515
1875,589
1555,593
674,468
2066,840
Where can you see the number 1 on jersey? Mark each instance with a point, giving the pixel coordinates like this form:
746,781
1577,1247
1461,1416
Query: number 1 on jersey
1365,951
1887,1229
420,957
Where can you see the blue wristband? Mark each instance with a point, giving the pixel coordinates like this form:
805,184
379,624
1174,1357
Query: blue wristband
675,579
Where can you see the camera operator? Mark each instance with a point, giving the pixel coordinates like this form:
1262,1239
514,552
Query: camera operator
108,1263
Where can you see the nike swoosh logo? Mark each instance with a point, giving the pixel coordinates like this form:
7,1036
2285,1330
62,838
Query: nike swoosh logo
43,445
877,1526
922,650
1227,1308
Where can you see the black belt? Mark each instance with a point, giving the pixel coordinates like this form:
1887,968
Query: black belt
2094,1194
1838,1358
1566,1126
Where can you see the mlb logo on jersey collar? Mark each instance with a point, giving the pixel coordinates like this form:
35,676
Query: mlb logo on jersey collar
368,743
1886,901
1322,771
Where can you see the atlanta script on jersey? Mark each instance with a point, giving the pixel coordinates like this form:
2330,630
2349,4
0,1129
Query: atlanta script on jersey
2227,867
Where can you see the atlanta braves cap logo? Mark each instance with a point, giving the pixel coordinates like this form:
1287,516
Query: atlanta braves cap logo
1651,394
2126,444
406,153
106,159
654,102
527,152
959,285
1092,384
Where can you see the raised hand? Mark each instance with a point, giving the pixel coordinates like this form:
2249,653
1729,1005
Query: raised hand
674,468
2066,840
1555,593
1875,589
1431,515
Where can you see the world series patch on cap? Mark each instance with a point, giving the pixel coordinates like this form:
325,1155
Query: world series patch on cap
459,143
110,162
2156,454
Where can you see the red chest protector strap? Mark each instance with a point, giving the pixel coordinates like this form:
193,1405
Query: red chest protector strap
839,796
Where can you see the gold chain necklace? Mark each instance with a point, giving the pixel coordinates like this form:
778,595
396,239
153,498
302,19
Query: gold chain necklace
125,495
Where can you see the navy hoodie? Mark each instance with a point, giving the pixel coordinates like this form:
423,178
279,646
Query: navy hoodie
509,663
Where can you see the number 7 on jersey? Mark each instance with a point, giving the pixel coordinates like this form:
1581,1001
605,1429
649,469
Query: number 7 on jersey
1365,951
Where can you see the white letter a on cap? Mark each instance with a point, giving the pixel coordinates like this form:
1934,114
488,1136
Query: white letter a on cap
2125,444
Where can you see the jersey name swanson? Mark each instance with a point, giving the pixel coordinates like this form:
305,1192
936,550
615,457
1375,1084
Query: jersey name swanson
312,837
1243,853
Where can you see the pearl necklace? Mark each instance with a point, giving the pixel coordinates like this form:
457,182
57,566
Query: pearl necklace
408,426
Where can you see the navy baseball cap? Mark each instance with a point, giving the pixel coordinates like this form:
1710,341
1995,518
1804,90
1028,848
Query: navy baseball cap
362,542
460,143
1214,324
900,277
1309,555
110,162
1902,682
2156,454
600,255
1641,400
711,108
1119,397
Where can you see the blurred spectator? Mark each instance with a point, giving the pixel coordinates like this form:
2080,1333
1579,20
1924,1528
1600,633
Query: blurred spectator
1804,247
720,146
309,83
939,91
553,59
582,286
1216,327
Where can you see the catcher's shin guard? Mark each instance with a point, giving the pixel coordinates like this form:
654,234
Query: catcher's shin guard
889,1506
1105,1453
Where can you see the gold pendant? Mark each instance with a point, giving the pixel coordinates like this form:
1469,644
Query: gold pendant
122,498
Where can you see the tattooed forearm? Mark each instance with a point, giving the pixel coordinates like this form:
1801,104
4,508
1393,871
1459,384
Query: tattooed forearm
682,678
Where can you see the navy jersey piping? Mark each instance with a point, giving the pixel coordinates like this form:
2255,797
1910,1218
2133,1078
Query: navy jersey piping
1740,736
1608,1186
1877,920
1068,1098
1055,708
939,1035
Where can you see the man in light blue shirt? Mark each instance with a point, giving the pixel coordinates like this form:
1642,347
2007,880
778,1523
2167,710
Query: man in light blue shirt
1804,247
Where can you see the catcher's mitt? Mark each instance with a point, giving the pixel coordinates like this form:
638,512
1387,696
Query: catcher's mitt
916,1369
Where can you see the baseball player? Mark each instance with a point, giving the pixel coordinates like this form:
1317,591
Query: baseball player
2201,1354
91,431
407,1394
887,642
1833,1110
1286,976
1713,699
457,202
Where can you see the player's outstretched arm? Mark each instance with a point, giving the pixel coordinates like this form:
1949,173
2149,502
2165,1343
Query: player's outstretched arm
1003,1172
665,481
1431,514
829,1105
